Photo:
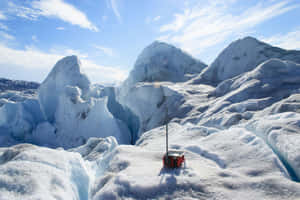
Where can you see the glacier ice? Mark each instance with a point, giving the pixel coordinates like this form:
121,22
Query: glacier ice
242,56
238,123
163,62
66,113
32,172
66,72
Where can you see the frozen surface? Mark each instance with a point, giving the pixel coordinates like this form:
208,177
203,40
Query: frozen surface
242,56
31,172
16,91
163,62
67,112
149,102
16,85
66,72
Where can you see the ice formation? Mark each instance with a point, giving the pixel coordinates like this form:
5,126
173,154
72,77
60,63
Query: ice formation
242,56
66,113
163,62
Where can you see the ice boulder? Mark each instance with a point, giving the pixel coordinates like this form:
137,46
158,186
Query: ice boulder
242,56
17,120
163,62
67,71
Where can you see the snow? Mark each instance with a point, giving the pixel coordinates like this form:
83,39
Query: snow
281,132
240,133
163,62
31,172
242,56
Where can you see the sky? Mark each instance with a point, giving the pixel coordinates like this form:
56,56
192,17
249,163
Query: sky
108,35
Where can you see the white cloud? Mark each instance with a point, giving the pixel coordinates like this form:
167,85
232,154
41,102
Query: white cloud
149,19
60,28
53,8
106,50
34,38
2,16
3,27
6,36
290,40
32,60
157,18
23,11
115,9
65,51
199,26
177,24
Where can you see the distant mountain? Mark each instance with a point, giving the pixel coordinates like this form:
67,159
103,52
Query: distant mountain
7,84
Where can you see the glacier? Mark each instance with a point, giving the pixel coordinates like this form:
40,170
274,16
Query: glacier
237,120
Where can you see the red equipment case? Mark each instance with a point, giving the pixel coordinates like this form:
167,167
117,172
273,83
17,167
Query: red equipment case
174,159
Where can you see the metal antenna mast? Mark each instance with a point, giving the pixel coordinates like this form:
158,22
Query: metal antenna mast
166,120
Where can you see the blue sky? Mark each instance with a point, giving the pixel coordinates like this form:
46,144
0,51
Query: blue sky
108,35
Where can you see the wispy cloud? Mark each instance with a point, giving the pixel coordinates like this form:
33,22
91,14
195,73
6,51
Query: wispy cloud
3,27
34,38
53,8
106,50
290,40
199,26
6,36
157,18
115,9
60,28
33,60
23,11
2,16
150,20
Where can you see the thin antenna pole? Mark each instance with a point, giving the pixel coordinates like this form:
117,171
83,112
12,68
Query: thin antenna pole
167,151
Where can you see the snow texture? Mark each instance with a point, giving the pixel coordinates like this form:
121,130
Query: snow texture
163,62
242,56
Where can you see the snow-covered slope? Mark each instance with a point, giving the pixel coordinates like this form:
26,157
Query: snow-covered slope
163,62
242,56
221,165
